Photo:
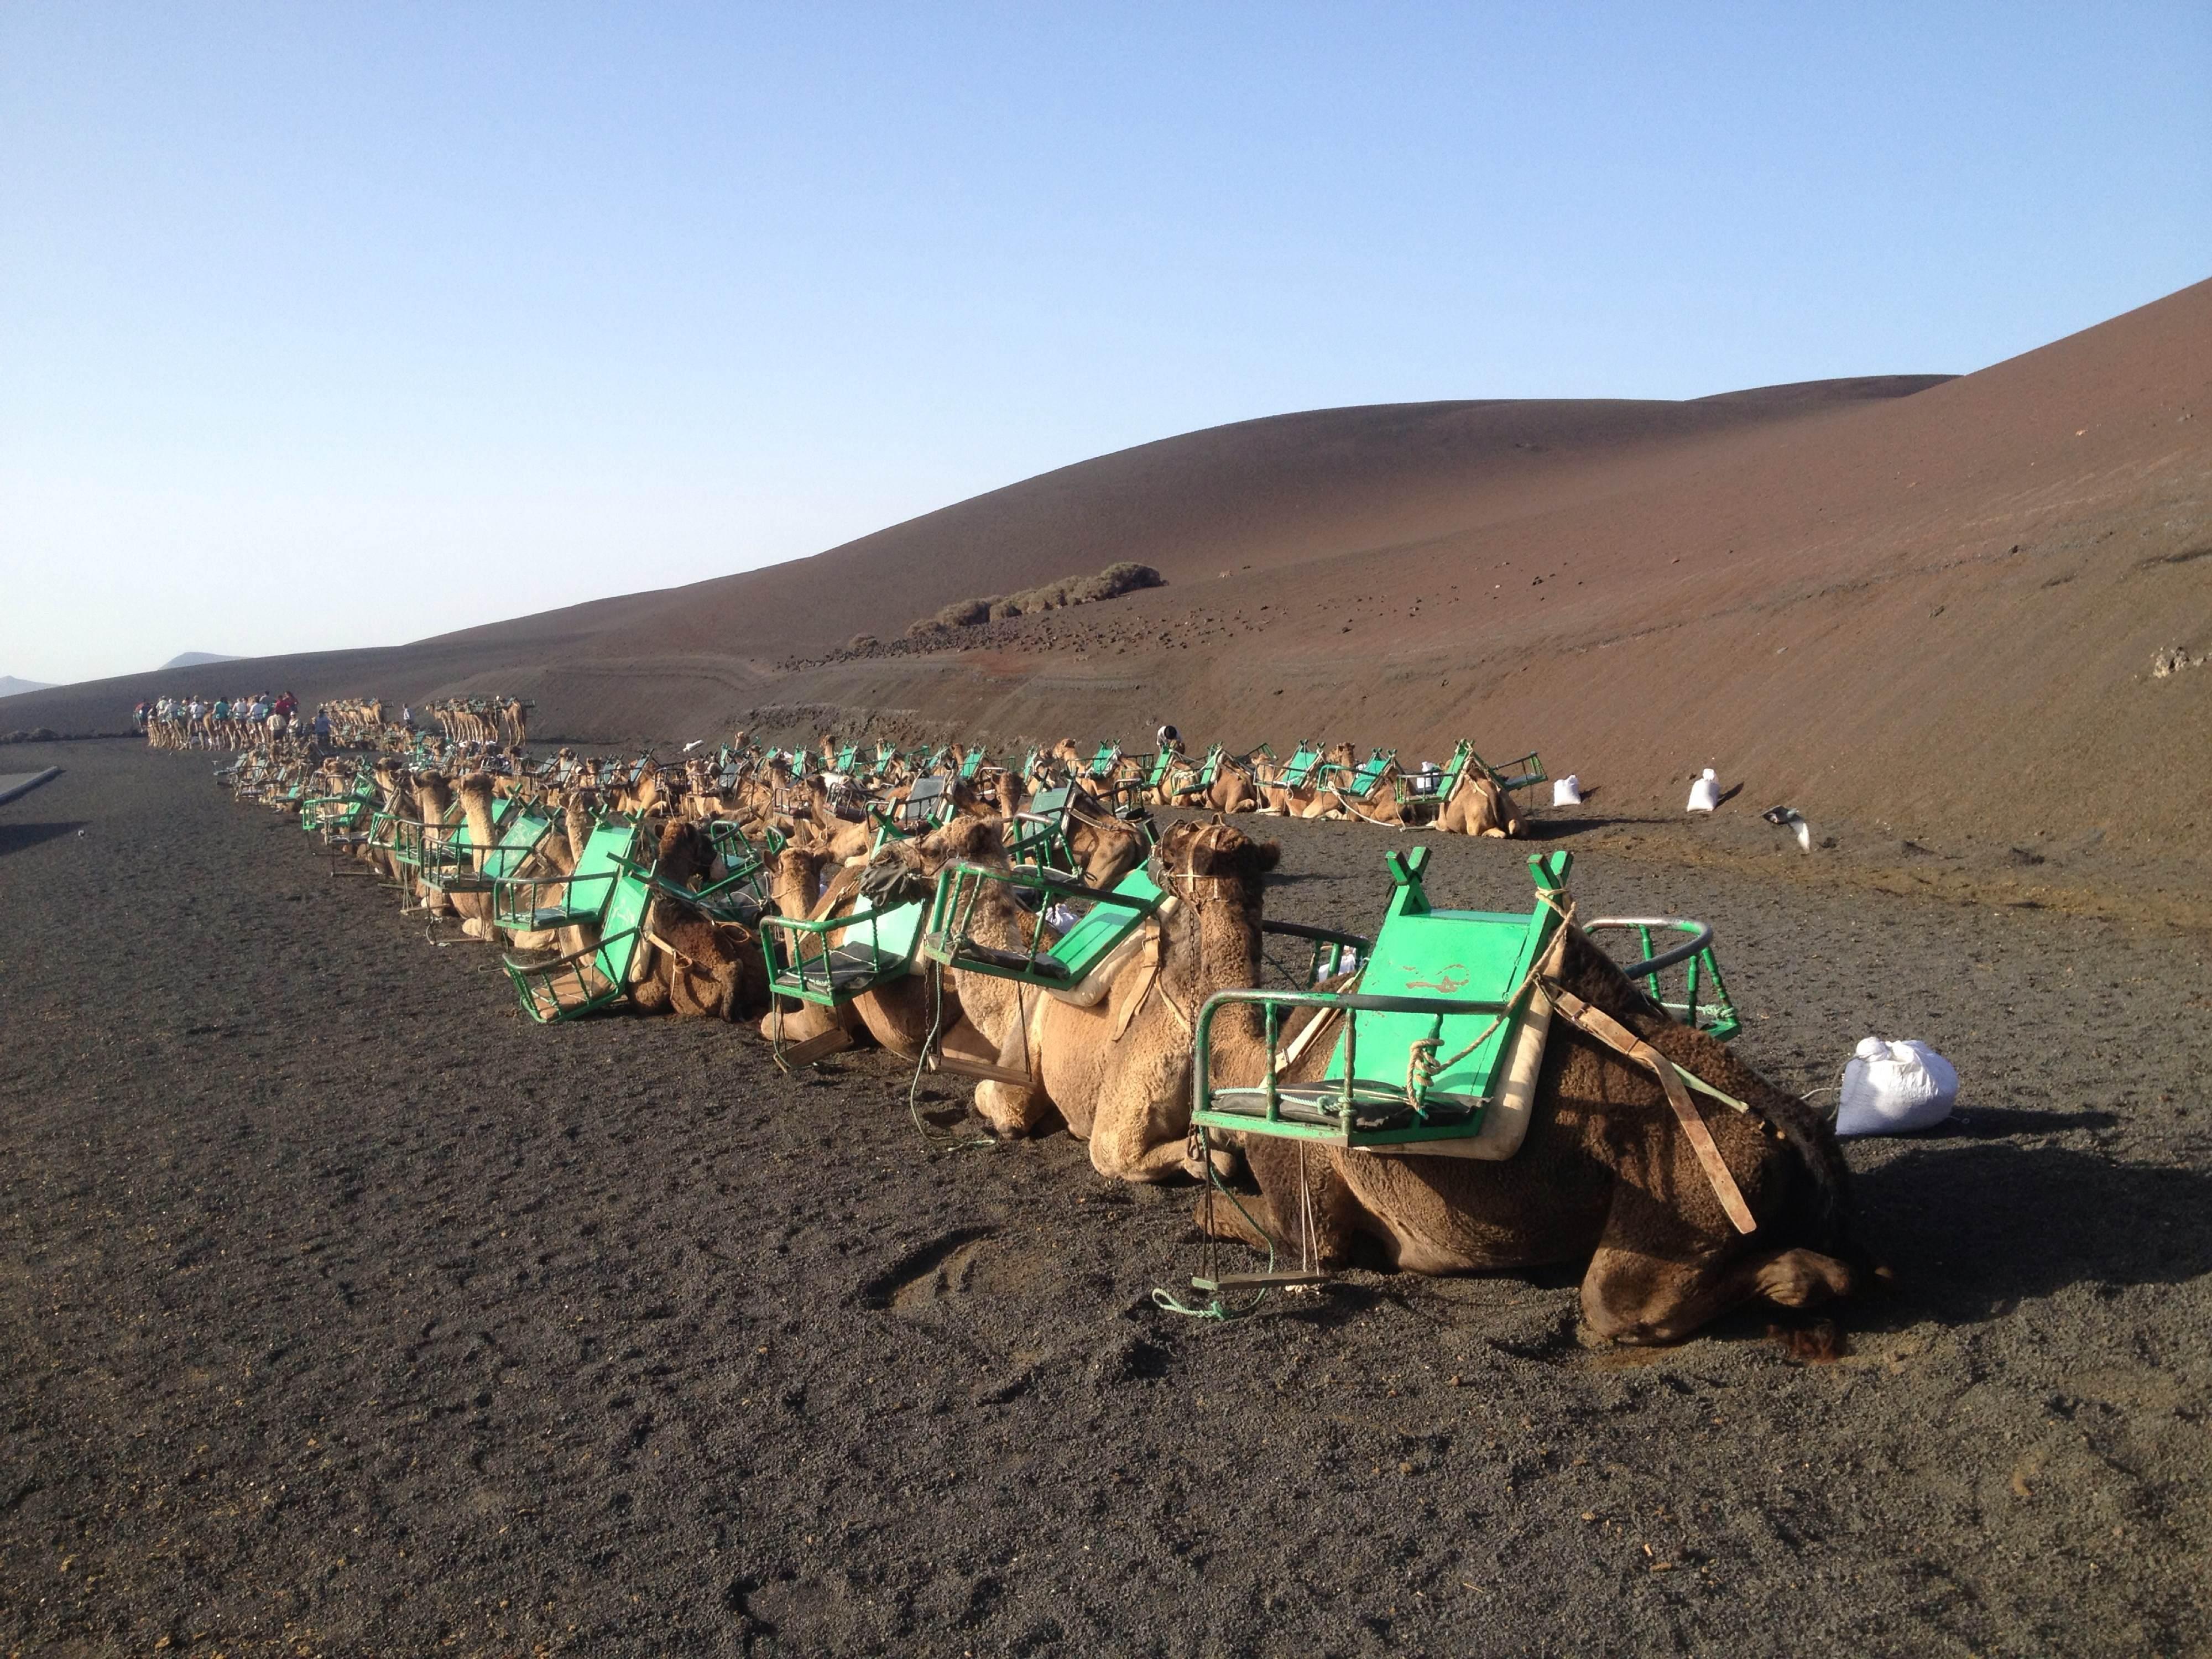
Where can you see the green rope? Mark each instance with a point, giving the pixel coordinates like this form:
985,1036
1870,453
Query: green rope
1215,1308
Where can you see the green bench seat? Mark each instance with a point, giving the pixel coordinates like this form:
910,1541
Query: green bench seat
1109,917
576,984
1434,986
875,945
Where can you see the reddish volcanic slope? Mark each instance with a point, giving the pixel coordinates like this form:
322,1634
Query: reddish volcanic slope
1904,601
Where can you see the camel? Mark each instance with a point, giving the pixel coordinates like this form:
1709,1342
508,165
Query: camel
1106,847
1310,799
1118,1069
1480,807
434,799
968,1014
697,967
474,906
1606,1175
797,890
1235,788
555,857
644,794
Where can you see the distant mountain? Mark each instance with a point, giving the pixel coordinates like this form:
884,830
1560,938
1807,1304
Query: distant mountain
194,659
12,687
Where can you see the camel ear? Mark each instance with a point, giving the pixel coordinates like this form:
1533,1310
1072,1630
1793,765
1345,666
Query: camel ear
1265,855
1219,817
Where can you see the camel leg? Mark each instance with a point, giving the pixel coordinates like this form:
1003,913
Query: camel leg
1630,1297
1129,1142
1014,1110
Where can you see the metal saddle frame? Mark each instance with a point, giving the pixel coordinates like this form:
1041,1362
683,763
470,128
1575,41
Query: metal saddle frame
1405,1067
568,985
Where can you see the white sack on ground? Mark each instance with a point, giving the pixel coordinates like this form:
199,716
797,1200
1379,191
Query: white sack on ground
1706,793
1894,1088
1567,790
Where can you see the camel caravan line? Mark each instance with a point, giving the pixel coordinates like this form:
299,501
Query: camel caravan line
1451,1091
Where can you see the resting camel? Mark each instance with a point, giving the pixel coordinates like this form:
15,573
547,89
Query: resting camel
1106,847
1606,1175
1233,790
695,966
434,799
1480,807
1117,1068
645,795
797,890
1309,800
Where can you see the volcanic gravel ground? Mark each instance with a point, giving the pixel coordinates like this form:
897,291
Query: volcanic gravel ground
346,1312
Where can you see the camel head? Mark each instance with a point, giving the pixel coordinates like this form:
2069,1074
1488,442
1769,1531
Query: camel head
798,882
576,821
435,793
685,852
966,840
476,793
1211,859
898,873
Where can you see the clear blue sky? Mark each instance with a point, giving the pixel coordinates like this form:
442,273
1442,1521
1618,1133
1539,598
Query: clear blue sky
327,325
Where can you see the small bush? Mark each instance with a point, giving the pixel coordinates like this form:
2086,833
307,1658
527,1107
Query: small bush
965,613
1127,577
1110,583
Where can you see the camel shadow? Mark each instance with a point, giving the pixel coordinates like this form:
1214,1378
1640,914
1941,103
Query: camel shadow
16,837
1971,1226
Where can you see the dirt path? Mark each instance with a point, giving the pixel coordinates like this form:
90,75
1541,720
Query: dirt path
341,1311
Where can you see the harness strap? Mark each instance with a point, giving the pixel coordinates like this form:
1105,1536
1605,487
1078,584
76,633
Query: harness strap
1618,1037
1151,978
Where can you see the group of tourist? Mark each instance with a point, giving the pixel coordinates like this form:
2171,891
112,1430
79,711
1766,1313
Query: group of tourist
198,722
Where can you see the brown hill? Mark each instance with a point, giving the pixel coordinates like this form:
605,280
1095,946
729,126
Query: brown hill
1902,602
1261,494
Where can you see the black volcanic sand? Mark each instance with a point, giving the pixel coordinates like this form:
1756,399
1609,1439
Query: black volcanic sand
346,1312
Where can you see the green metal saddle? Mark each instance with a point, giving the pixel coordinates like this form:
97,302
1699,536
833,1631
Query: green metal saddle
1039,834
525,904
1299,772
568,985
517,841
1422,1043
1109,917
874,944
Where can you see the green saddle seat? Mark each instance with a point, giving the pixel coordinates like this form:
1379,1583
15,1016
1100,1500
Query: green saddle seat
528,904
1110,918
876,945
1420,1045
598,974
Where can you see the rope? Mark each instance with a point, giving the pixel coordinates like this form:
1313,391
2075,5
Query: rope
933,1145
1214,1307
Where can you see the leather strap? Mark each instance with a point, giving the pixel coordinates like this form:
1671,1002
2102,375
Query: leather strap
1151,971
1618,1037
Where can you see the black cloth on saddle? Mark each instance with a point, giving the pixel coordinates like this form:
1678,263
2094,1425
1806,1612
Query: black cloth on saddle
887,883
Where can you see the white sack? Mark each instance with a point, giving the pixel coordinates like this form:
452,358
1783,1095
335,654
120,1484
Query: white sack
1894,1088
1567,790
1706,793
